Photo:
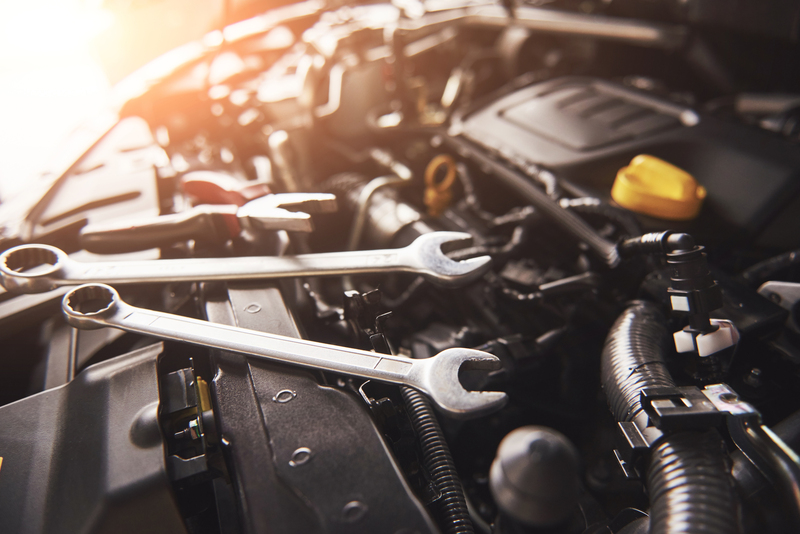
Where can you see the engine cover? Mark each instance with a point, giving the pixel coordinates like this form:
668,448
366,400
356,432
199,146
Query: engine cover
587,129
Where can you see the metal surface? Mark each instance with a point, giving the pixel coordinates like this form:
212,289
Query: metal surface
776,460
217,222
402,174
639,32
281,152
364,198
267,212
765,449
437,376
39,268
784,294
635,32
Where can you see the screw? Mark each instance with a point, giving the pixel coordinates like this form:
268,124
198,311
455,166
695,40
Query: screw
300,456
253,308
191,432
284,396
754,378
354,511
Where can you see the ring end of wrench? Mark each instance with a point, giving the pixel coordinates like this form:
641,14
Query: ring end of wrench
31,268
443,386
83,305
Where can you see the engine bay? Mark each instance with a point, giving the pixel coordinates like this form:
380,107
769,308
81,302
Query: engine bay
610,200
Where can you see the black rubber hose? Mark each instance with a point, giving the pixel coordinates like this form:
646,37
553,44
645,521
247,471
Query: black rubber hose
689,487
438,461
621,218
688,479
656,243
532,194
756,274
633,359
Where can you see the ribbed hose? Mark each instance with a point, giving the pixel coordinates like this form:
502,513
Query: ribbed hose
687,479
633,359
438,461
689,487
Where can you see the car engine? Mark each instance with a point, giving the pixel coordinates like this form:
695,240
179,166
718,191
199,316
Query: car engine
419,267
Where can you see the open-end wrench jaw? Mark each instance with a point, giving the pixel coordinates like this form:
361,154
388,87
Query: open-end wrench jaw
438,377
310,202
427,253
279,212
31,268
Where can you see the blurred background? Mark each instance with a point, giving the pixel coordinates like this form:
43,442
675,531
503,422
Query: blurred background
60,58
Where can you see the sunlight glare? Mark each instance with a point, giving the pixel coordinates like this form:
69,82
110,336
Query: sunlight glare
51,26
49,81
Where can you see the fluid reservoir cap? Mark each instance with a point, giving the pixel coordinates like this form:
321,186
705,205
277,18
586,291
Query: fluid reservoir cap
652,186
534,476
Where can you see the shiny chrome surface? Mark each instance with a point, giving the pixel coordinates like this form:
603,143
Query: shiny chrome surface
39,268
97,305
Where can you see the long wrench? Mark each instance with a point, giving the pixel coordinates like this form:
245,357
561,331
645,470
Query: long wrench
97,305
38,268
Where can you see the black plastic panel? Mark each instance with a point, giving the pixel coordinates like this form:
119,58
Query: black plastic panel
587,117
265,412
587,129
88,456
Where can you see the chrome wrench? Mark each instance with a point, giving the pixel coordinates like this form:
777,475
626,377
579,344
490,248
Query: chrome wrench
38,268
97,305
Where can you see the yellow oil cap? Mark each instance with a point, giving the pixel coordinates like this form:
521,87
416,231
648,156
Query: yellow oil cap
654,187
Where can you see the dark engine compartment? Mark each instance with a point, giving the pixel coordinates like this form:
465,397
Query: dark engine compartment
509,123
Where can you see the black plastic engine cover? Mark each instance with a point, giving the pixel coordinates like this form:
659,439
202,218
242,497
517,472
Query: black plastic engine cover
586,129
88,456
303,456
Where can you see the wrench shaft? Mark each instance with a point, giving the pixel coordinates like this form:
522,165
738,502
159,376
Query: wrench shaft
39,268
269,346
437,376
242,268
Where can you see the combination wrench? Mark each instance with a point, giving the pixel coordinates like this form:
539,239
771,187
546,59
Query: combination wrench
37,268
97,305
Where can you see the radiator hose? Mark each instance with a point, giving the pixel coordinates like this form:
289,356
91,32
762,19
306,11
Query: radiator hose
688,479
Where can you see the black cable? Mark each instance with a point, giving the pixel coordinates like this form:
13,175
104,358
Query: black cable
439,462
656,243
436,457
532,194
764,270
626,222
